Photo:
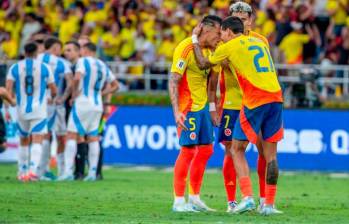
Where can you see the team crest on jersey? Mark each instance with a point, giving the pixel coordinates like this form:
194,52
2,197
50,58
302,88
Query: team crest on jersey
180,64
192,136
227,132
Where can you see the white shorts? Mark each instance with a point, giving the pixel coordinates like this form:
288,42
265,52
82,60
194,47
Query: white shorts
56,120
84,122
32,126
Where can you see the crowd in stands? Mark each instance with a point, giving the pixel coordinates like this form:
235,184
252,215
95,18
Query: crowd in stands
299,31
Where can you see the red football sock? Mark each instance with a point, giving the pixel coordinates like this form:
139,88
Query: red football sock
229,175
245,186
181,169
261,170
197,168
270,192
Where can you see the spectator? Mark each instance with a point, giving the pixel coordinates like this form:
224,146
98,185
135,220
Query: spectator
111,43
292,45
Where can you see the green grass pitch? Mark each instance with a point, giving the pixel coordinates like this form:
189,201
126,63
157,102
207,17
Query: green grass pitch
145,196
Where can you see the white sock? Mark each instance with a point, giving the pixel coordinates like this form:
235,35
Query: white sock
179,200
93,156
45,158
69,157
23,160
35,157
60,163
194,197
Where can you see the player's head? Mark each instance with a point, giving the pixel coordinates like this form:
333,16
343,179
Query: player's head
53,46
83,40
244,12
88,49
30,50
72,51
231,27
211,30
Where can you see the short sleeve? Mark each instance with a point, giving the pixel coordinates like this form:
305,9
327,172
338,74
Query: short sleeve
219,55
48,73
180,59
67,67
304,38
13,72
110,75
80,66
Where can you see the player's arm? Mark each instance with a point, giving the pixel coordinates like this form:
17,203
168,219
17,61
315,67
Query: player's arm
68,76
75,82
6,96
216,58
178,68
212,90
112,83
110,88
175,78
50,82
68,80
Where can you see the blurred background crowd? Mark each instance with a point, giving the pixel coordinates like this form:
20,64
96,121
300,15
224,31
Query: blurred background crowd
299,31
302,31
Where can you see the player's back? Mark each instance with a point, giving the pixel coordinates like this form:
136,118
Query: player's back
31,78
95,74
255,70
59,66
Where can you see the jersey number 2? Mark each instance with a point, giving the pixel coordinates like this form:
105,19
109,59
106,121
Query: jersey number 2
261,52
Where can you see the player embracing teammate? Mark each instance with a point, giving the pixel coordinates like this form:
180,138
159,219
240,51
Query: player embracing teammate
252,106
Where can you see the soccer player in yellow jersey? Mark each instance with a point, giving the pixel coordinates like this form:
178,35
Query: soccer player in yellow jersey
188,92
250,59
230,103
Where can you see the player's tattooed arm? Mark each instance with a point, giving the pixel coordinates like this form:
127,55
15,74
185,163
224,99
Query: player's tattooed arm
173,91
201,60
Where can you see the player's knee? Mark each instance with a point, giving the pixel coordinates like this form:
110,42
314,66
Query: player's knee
239,147
272,172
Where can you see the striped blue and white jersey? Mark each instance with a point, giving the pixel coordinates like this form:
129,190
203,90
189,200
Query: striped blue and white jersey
31,78
60,68
95,74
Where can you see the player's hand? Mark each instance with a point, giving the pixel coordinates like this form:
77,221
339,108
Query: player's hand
50,101
59,101
215,118
180,119
197,30
225,63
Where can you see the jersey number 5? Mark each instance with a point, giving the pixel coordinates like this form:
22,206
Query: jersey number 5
261,52
29,83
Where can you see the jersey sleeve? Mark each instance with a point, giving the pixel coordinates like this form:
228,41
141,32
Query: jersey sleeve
180,60
50,77
110,75
80,66
67,67
219,55
12,72
304,38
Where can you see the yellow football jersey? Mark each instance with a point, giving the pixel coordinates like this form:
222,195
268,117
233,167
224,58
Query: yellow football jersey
231,94
193,85
250,59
